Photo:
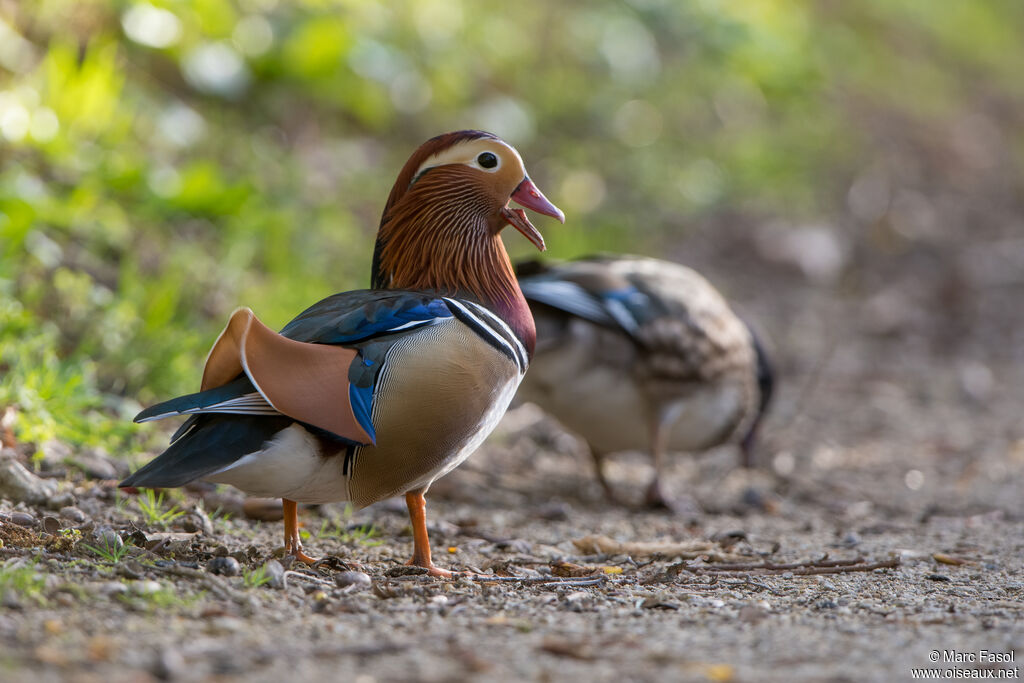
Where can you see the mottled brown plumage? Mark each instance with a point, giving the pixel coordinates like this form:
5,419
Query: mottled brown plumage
637,353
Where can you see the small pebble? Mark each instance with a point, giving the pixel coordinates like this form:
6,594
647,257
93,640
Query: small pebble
9,599
145,587
405,570
72,514
170,664
753,497
274,573
113,588
353,581
555,511
198,520
23,519
109,538
225,566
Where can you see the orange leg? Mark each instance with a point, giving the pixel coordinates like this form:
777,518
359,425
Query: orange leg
291,531
420,541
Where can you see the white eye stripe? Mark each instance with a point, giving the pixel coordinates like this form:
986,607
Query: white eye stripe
468,153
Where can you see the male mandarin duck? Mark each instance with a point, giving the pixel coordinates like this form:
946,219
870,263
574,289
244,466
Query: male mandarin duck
637,352
375,393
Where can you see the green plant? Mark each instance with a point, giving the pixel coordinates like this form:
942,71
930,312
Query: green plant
254,578
112,552
364,534
151,504
221,513
22,579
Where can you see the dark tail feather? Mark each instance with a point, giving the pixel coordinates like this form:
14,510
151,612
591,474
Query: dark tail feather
765,386
212,443
176,406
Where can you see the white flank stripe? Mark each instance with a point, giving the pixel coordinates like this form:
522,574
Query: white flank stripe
497,337
508,330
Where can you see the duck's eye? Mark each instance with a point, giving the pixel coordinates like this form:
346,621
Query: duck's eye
487,160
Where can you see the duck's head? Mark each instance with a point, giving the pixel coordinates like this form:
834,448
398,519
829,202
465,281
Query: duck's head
440,227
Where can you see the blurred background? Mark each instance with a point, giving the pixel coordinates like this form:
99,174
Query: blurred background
849,173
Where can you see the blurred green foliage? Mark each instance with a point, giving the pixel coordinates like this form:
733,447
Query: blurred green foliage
163,162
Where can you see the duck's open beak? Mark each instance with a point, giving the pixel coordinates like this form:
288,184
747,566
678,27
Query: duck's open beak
527,195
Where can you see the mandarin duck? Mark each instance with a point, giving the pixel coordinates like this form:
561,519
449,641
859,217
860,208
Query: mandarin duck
640,353
375,393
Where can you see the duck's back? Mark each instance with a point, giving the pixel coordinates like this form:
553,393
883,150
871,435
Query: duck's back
626,340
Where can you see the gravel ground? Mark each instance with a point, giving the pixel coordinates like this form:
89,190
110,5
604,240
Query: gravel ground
896,440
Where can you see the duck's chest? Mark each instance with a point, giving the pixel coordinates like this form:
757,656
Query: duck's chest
440,393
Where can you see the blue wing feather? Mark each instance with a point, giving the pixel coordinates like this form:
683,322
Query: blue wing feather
354,317
362,407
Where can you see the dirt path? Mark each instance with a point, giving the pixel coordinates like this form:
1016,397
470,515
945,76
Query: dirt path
888,445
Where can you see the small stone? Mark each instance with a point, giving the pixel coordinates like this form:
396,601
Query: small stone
169,664
146,587
225,566
729,538
851,540
198,520
18,484
10,600
274,573
109,538
554,511
72,514
95,464
753,497
406,570
113,588
23,519
228,624
54,452
352,581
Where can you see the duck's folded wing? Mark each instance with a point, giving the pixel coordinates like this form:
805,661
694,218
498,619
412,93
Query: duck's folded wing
592,292
362,315
307,382
320,370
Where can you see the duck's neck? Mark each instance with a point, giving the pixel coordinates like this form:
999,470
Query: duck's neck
448,245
